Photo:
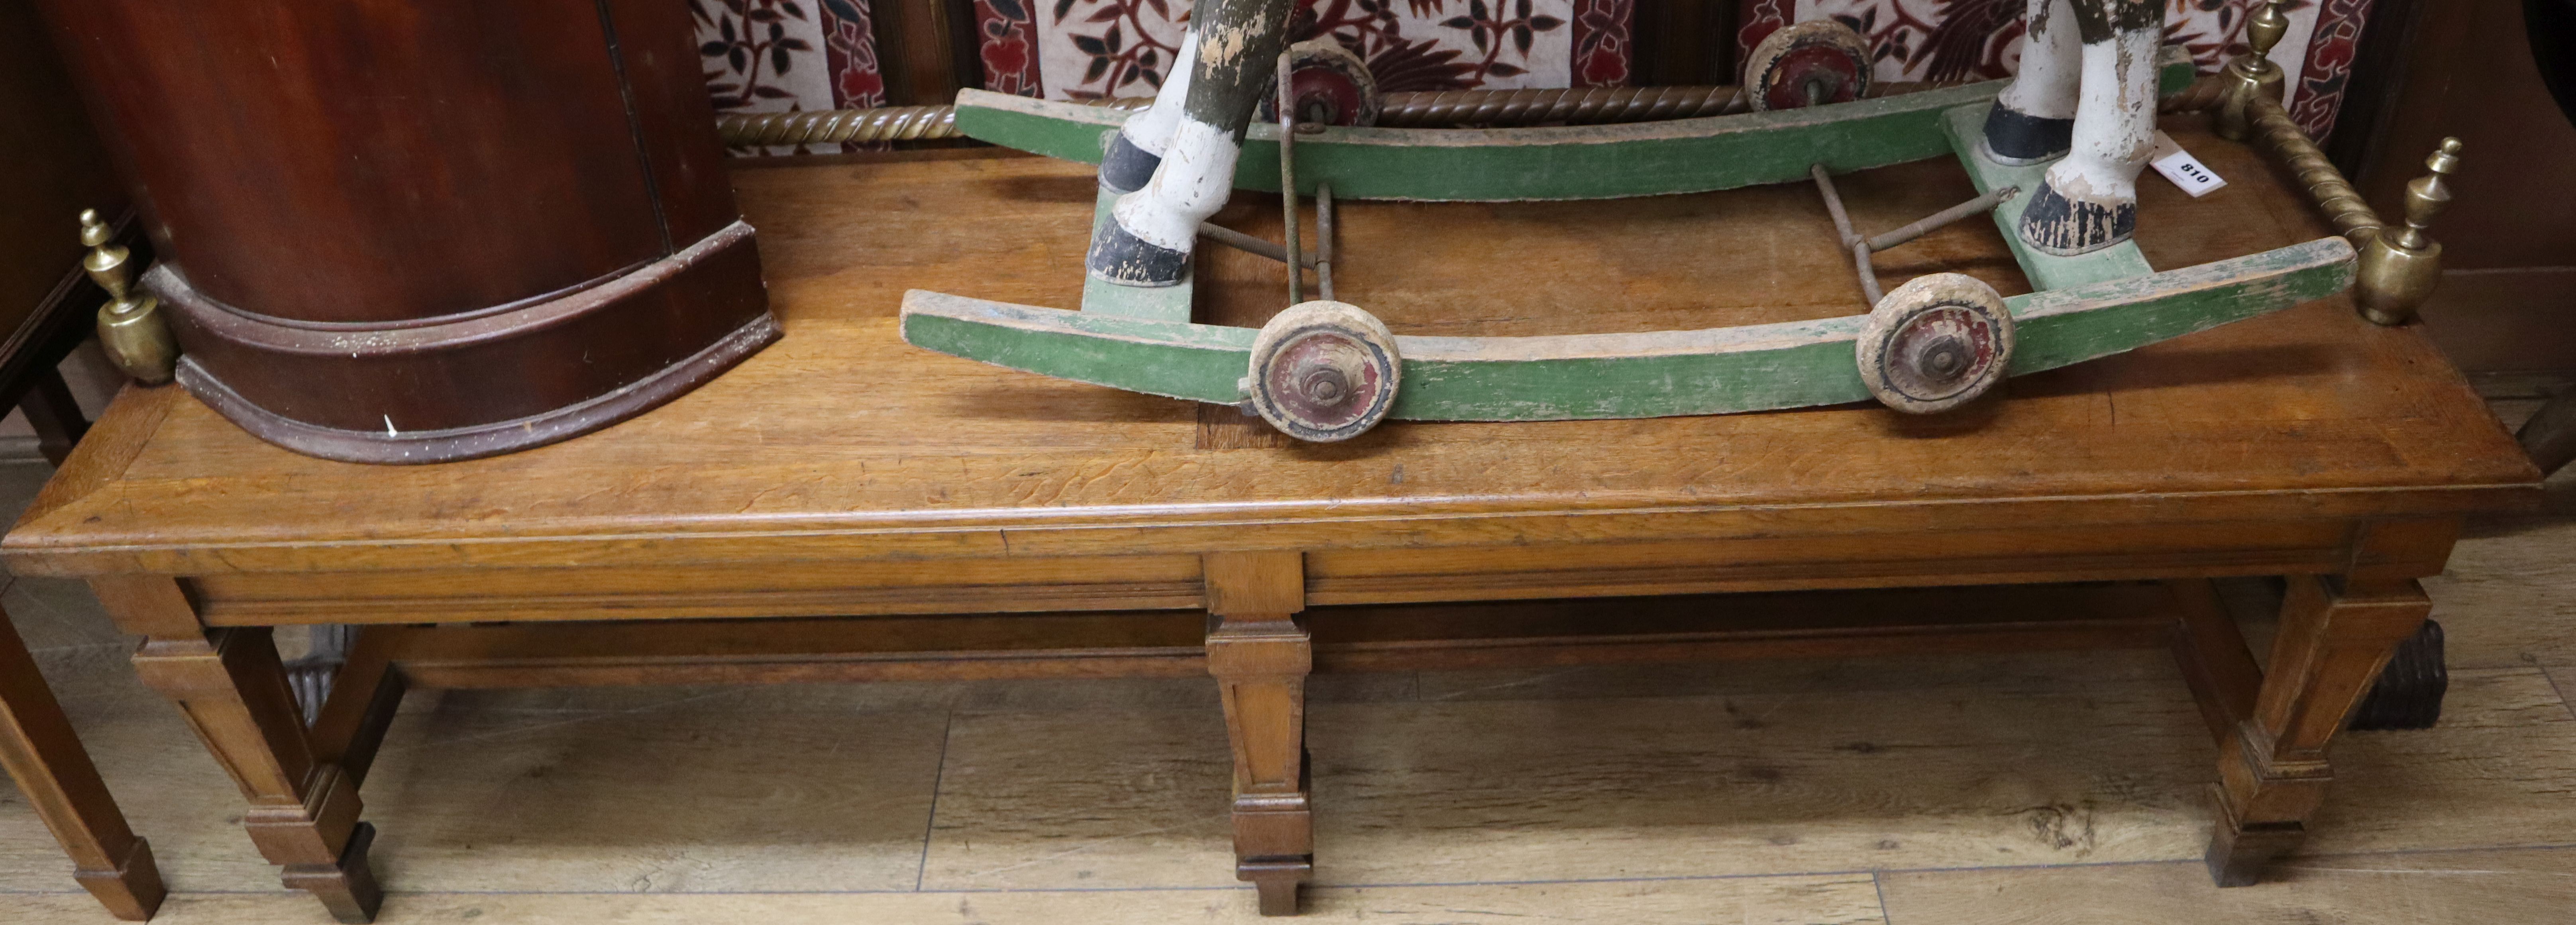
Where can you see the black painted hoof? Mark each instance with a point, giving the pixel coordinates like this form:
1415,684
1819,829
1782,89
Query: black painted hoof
2410,689
2068,227
2018,138
1126,168
1123,258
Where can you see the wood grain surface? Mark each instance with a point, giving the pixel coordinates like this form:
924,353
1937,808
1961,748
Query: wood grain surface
2453,824
1842,899
2468,886
1787,780
840,443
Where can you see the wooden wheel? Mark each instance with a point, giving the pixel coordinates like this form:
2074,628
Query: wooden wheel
1333,86
1936,343
1323,371
1806,64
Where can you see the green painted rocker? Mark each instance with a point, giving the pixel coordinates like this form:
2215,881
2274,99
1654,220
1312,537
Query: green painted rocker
2055,155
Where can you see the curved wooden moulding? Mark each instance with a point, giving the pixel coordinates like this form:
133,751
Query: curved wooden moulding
1515,164
378,245
433,397
1660,374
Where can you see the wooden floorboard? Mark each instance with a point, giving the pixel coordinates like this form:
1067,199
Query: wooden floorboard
2364,889
1845,899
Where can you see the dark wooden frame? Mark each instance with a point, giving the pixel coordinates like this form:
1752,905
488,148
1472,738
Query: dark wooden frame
51,168
37,744
40,751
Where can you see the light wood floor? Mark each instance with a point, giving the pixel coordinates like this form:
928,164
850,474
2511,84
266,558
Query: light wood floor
2041,789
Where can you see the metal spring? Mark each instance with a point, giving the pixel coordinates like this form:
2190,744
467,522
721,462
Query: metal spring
2352,217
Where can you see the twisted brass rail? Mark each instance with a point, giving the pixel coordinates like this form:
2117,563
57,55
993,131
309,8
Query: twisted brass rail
890,123
1574,104
1411,110
2334,195
2205,93
1585,105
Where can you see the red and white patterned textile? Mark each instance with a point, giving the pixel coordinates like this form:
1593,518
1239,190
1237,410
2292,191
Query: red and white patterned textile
1950,39
788,56
1076,49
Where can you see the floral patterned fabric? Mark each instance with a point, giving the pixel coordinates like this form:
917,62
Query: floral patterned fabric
788,56
1953,39
1079,49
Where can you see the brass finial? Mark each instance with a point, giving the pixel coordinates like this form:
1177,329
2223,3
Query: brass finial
106,261
130,324
2265,28
93,231
2400,270
2429,194
2253,74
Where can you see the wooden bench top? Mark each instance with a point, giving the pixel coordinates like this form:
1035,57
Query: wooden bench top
841,443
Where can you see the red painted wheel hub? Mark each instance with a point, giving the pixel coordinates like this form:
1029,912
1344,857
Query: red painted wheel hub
1813,74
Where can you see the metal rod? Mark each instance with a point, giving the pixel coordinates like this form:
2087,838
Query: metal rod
1288,181
1834,204
1843,226
1249,244
1868,273
1937,220
1324,238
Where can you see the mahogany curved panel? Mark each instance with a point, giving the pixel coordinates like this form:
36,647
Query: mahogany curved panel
405,230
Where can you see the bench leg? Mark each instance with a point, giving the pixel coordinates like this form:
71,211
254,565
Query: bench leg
54,415
40,752
232,689
1260,658
2273,772
2550,436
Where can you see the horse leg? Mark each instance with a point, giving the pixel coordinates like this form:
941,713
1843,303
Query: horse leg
2089,201
2035,117
1149,241
1138,148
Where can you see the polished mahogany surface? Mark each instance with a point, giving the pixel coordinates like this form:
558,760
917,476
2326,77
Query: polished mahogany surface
402,231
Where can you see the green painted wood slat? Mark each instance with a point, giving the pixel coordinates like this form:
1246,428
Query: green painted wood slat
1590,376
1514,164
